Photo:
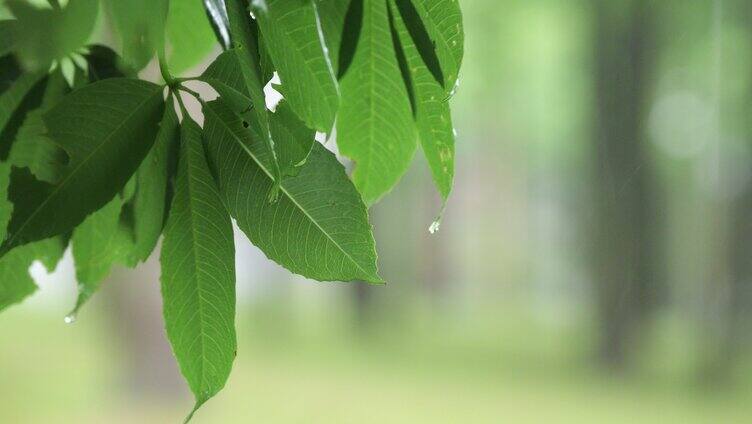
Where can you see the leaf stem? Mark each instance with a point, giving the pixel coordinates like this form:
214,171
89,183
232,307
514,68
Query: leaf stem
166,75
192,93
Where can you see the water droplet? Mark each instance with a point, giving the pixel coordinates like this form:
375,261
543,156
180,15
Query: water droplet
435,226
454,131
70,318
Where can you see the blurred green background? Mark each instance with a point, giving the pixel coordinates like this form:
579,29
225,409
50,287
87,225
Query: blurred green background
594,263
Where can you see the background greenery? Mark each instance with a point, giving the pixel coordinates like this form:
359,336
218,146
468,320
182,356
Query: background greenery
502,315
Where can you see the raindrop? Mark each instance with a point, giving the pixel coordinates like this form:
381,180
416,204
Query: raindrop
435,226
70,318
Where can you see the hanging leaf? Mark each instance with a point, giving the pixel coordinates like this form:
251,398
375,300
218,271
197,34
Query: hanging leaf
69,27
319,228
15,282
23,95
420,38
141,26
147,209
290,30
198,274
106,129
98,243
225,76
375,126
331,14
433,116
245,45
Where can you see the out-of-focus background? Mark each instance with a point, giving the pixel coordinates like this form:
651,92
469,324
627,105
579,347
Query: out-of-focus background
594,263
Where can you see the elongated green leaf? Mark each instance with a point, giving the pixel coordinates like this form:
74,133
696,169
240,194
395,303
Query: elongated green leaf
375,126
433,116
189,34
15,282
106,129
332,18
6,207
319,228
198,274
295,40
98,243
147,208
47,34
443,21
245,44
420,38
140,24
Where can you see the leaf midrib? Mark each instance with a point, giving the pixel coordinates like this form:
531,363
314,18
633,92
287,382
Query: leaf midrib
237,140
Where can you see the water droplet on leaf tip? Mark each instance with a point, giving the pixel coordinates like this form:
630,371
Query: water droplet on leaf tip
435,226
70,318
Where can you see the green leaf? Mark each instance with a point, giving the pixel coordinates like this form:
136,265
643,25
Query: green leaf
245,44
148,207
198,274
104,63
295,40
47,34
375,126
140,24
332,18
319,228
15,282
217,13
6,207
433,116
106,129
98,243
443,21
32,147
189,34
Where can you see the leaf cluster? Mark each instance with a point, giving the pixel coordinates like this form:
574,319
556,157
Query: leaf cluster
96,158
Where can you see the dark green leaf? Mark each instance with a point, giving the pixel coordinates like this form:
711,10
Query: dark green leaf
106,129
22,96
245,44
7,36
225,76
104,63
147,208
47,34
434,118
295,41
350,35
198,274
375,126
420,38
319,228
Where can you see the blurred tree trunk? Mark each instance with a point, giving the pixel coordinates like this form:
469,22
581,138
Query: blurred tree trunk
624,244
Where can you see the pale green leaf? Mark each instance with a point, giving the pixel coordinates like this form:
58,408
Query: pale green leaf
11,102
15,282
295,41
141,26
319,228
375,126
189,34
433,116
198,274
47,34
106,128
294,139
